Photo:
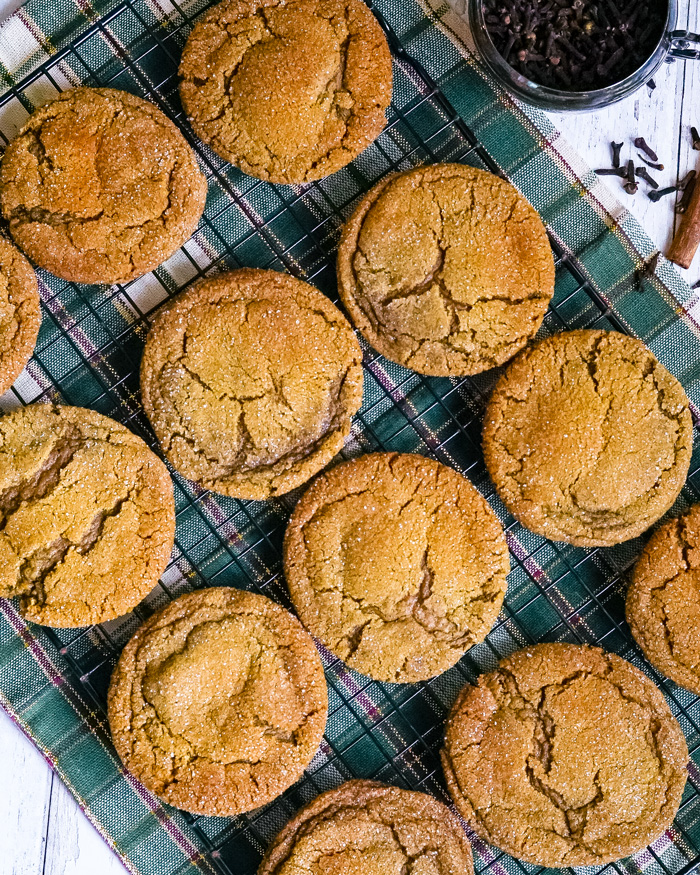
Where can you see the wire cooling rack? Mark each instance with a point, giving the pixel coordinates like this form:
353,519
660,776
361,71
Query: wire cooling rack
88,354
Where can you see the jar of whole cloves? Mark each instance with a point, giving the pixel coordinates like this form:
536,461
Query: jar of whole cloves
577,55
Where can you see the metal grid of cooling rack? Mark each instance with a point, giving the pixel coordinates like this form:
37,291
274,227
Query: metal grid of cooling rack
88,354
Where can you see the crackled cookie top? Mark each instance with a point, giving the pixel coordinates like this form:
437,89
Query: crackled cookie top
250,380
87,516
397,564
446,269
565,756
588,438
663,601
289,92
218,703
365,828
100,187
20,313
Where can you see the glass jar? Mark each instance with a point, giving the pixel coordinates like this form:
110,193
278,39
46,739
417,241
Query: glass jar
673,44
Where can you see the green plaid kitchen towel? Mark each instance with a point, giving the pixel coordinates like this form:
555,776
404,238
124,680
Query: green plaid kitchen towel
53,682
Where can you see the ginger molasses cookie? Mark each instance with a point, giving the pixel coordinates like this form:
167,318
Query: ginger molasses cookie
87,516
588,438
365,828
397,564
20,313
250,380
100,187
446,269
218,703
565,756
663,600
289,92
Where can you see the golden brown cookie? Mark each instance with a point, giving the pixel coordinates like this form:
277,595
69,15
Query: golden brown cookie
20,313
250,380
565,756
588,438
100,187
397,564
87,516
365,828
289,92
446,269
663,600
218,703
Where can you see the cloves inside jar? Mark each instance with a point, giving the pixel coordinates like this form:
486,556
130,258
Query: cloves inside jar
575,45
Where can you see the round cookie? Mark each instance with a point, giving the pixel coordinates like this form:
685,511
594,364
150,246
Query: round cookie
446,269
365,828
218,703
588,438
663,600
250,380
87,516
397,564
289,92
20,313
100,187
565,756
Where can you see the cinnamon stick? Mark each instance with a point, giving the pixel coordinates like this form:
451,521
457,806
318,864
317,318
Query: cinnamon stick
687,240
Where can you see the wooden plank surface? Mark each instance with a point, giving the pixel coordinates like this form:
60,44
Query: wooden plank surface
44,832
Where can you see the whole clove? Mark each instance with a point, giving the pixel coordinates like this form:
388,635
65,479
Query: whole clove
643,173
696,138
616,149
612,171
642,144
687,179
688,191
652,263
651,85
647,270
631,186
696,285
575,45
651,163
662,192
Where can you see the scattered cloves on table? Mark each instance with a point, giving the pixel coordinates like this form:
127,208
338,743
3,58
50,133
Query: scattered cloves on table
642,144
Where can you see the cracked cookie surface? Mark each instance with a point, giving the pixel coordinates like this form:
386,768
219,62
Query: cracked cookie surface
588,438
565,756
87,516
663,600
100,187
366,828
446,269
20,313
289,92
397,564
218,702
250,380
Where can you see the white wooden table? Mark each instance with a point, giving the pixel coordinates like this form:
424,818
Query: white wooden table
43,831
